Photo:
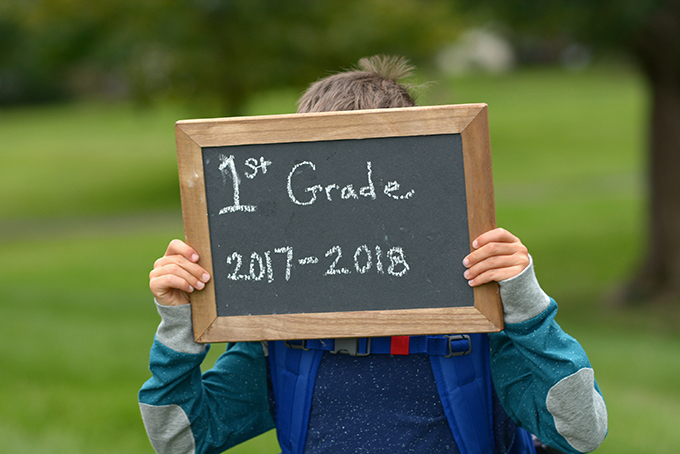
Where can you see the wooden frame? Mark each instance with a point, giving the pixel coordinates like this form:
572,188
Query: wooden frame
470,121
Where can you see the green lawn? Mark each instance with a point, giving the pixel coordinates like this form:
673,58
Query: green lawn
89,199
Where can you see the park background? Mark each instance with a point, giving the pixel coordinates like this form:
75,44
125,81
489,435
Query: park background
89,196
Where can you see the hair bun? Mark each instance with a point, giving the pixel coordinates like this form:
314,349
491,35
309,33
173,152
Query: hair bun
387,66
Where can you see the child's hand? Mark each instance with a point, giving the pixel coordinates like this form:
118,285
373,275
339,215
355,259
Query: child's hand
498,255
177,274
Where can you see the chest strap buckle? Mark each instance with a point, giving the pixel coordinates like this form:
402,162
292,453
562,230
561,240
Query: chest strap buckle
294,344
350,346
459,340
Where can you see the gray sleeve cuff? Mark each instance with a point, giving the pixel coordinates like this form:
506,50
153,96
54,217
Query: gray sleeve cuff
522,296
176,329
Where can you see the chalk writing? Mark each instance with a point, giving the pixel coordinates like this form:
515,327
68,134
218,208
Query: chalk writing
332,269
289,258
346,192
253,164
259,268
392,186
367,264
228,168
336,226
301,196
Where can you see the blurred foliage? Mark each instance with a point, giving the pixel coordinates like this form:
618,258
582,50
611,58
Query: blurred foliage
214,52
607,23
217,53
648,33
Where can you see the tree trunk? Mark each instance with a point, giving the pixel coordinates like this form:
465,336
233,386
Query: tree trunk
658,48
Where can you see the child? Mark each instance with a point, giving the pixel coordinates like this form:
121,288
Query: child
487,398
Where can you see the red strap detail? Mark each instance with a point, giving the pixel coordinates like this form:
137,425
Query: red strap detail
399,345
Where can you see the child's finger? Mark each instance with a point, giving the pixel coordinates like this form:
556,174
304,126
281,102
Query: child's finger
165,286
498,255
179,247
496,262
489,250
170,282
179,265
196,279
487,264
495,274
498,235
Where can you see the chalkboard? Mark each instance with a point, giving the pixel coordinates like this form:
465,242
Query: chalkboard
340,224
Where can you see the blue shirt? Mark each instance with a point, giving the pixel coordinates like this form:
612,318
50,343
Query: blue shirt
377,404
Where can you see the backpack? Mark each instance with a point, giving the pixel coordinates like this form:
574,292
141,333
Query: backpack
461,368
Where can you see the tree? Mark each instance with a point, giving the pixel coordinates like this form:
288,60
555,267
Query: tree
214,53
648,31
657,47
224,51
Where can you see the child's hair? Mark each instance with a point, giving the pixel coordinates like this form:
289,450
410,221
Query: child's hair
373,85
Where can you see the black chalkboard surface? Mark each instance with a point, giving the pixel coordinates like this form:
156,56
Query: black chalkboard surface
339,224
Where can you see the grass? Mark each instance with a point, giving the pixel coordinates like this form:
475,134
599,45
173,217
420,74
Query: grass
89,199
85,159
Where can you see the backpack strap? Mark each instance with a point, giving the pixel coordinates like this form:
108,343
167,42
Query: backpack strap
523,444
465,389
293,373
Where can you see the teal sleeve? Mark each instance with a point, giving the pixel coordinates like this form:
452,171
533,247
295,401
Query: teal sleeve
546,384
190,412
